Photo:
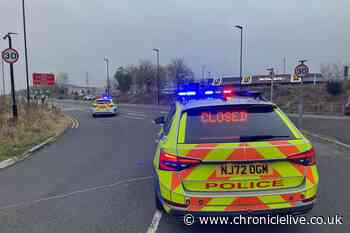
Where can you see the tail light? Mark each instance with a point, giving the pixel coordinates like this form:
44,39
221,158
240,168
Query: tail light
169,162
228,93
110,105
307,158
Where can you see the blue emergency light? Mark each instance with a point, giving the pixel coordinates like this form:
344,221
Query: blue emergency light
190,92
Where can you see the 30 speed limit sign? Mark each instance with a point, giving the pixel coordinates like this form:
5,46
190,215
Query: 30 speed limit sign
10,55
301,70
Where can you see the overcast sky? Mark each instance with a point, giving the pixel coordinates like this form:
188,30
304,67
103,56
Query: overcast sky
73,36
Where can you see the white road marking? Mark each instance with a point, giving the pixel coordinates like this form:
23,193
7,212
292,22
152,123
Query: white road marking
334,141
139,114
75,123
134,117
66,195
155,222
163,112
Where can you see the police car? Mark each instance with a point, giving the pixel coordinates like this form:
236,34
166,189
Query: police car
104,106
228,152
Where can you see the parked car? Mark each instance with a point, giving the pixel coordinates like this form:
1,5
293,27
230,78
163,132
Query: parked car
347,107
89,97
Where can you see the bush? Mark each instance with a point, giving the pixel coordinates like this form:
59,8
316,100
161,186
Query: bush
334,88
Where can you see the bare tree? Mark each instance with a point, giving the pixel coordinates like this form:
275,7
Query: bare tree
145,76
333,71
179,72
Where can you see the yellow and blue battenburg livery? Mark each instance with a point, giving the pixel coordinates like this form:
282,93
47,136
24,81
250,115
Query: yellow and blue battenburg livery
227,151
104,106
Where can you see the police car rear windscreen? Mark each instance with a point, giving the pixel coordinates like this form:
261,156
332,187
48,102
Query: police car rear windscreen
225,124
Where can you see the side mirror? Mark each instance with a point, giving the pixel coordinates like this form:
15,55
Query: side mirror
159,121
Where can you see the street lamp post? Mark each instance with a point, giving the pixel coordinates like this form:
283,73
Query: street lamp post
203,72
13,91
107,70
3,76
301,98
25,50
157,81
272,74
241,52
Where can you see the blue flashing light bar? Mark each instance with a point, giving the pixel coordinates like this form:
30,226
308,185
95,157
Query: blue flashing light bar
106,96
186,93
209,91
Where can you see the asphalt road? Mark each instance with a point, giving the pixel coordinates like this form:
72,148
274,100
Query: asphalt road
98,178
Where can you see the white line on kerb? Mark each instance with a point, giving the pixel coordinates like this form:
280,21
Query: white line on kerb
155,222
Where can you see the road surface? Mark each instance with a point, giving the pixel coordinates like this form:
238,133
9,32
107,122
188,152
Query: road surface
98,178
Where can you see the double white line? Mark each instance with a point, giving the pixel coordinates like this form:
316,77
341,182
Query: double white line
75,123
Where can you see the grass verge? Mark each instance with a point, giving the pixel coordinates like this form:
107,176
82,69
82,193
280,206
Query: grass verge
35,124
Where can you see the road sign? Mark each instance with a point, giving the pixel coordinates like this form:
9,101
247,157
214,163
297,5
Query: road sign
301,70
295,78
217,81
247,80
10,55
43,79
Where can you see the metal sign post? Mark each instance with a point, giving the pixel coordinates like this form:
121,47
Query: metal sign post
11,56
301,71
3,76
271,70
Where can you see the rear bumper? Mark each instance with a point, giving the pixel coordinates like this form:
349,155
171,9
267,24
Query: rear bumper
283,211
106,112
283,208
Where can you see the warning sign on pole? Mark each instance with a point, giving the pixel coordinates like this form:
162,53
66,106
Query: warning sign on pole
295,78
217,81
247,80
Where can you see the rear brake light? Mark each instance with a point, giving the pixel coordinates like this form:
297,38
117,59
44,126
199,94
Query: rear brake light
307,158
169,162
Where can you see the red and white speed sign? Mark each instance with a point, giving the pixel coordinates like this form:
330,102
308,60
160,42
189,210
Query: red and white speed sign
301,70
10,55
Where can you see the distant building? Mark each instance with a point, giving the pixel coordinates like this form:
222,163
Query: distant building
266,79
80,90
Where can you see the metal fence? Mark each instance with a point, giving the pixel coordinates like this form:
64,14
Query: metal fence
319,108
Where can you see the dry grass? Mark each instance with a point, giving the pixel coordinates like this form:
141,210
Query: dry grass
35,124
316,98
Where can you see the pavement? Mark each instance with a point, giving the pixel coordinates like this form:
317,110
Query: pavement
98,178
